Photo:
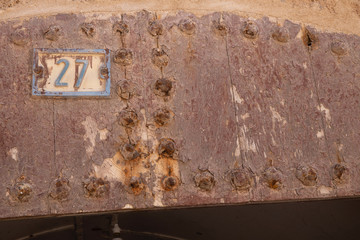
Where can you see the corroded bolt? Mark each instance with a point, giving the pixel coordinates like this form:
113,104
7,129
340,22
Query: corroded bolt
22,191
205,180
166,147
339,48
306,175
163,87
338,173
187,26
60,190
20,36
241,179
220,28
121,27
310,39
53,33
162,116
96,187
159,57
251,30
123,56
88,29
273,178
281,34
124,90
129,152
169,183
136,184
104,71
155,28
128,118
38,70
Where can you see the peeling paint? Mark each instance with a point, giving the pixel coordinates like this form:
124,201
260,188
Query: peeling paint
276,116
326,111
91,132
325,190
14,153
246,143
235,95
320,134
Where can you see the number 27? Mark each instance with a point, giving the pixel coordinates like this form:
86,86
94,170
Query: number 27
58,82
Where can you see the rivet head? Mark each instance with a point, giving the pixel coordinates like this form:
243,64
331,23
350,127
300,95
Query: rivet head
53,33
38,70
187,26
124,90
136,184
166,147
241,179
169,183
251,30
162,116
163,87
121,27
123,57
155,28
96,187
273,178
339,48
21,191
281,34
60,189
205,180
220,28
159,57
88,29
20,36
129,152
128,118
338,173
306,175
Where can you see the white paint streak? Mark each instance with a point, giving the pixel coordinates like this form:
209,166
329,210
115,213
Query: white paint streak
14,153
128,206
276,116
235,95
246,144
245,116
91,132
326,111
237,150
320,134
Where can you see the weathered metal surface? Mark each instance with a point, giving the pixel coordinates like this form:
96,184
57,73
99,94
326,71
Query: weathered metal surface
217,109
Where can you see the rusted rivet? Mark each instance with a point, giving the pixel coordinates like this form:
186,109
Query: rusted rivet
205,180
251,30
281,34
121,27
241,179
306,175
128,118
21,190
338,173
339,48
169,183
53,33
166,147
38,70
155,28
96,187
123,57
162,116
163,87
136,185
220,28
159,57
129,152
104,71
273,178
88,29
60,190
187,26
124,90
310,39
20,36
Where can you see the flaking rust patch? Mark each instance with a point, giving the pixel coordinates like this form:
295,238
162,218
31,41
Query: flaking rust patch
110,169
